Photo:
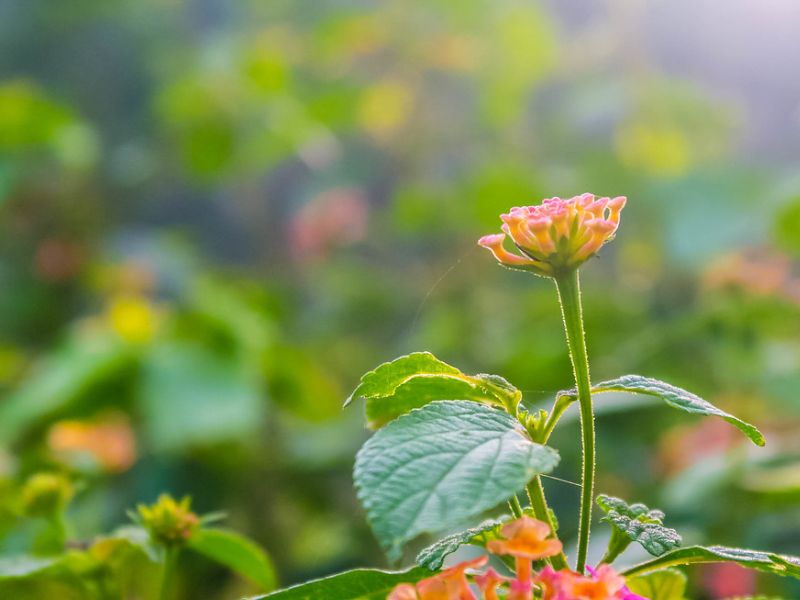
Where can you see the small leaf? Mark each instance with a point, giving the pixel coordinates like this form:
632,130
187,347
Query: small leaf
439,465
412,381
752,559
640,524
134,536
433,556
417,392
236,552
386,378
24,566
360,584
669,584
677,398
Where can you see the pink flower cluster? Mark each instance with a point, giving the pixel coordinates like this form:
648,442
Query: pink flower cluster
526,540
557,234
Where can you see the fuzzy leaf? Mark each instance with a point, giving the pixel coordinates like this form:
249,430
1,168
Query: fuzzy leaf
433,556
437,466
236,552
640,524
360,584
676,398
412,381
669,584
752,559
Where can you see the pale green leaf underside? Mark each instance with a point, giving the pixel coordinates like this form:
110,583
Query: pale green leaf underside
360,584
752,559
669,584
411,381
640,524
440,465
433,556
237,553
23,566
677,398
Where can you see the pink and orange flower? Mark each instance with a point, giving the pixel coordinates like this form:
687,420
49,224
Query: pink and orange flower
527,540
557,234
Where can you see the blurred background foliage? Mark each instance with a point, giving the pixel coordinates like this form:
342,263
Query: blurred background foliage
215,216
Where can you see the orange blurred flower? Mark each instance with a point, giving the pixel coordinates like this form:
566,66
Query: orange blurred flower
604,583
450,584
488,583
109,441
526,540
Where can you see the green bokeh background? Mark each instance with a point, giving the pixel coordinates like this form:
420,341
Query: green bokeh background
215,216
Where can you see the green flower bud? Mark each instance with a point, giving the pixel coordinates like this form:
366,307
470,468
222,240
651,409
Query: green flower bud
168,521
46,494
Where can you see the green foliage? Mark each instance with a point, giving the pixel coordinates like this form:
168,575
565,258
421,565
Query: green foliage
640,524
433,556
195,397
669,584
360,584
394,388
440,465
676,398
237,553
62,379
752,559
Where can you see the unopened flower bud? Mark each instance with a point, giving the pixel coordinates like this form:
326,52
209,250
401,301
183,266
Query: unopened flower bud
168,521
46,494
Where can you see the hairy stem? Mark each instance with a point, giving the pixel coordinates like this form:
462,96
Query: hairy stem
514,505
542,512
569,294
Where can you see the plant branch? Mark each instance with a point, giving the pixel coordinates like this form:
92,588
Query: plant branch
542,512
569,294
168,571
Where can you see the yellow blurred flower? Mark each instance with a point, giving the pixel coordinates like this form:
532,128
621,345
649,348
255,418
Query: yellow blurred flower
134,318
385,107
657,149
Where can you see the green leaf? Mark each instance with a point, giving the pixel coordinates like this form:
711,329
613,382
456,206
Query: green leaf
677,398
433,556
439,465
752,559
62,378
669,584
383,380
236,552
360,584
194,397
411,381
133,562
23,566
640,524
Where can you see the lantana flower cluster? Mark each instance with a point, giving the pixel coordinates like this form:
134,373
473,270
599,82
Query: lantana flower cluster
556,234
526,540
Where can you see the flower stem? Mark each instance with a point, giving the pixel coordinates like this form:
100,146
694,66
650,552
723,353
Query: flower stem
168,572
542,512
514,505
569,294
